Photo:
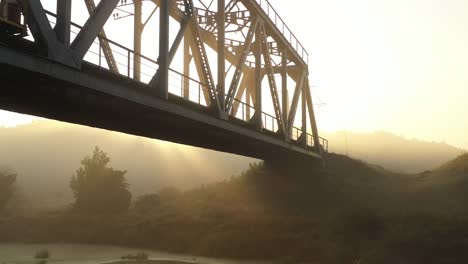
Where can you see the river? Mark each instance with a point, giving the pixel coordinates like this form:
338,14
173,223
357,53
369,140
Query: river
11,253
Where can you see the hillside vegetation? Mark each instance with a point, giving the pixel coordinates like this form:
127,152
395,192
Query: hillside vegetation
350,212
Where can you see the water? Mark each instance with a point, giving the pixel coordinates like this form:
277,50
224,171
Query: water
11,253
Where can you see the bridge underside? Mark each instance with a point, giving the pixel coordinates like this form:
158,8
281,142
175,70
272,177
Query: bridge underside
95,97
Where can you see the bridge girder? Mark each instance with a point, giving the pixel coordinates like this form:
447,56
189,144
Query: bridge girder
241,33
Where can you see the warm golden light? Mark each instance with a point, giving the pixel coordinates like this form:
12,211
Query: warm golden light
399,66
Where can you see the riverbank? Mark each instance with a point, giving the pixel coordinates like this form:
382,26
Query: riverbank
62,253
151,262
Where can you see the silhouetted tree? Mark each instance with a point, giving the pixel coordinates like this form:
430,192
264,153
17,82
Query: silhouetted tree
7,187
98,188
147,203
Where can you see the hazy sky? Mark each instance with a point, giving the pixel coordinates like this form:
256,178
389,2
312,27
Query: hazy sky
394,65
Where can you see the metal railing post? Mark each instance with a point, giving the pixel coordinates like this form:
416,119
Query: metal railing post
128,63
199,93
100,54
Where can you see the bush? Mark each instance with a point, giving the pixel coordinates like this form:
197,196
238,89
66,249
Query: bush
138,256
42,254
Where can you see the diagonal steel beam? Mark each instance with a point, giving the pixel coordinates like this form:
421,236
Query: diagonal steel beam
313,122
91,28
208,37
203,66
108,54
39,25
179,37
271,80
240,94
240,65
230,6
183,28
295,102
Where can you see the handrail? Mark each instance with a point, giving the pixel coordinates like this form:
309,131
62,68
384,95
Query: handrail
128,50
298,47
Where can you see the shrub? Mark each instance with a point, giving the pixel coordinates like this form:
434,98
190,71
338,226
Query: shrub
42,254
138,256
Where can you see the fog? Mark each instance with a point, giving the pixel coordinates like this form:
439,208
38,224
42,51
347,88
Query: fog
46,153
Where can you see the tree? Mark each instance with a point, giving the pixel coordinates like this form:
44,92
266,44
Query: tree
98,188
7,188
147,203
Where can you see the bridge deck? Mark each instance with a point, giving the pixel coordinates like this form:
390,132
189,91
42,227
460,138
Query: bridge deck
98,98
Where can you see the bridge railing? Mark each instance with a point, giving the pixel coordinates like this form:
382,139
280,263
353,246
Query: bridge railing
123,59
187,88
244,112
296,133
324,144
283,28
270,122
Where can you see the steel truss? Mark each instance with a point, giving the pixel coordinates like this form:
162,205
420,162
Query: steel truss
247,35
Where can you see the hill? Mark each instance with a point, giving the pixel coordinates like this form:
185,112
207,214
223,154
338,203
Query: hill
350,212
391,151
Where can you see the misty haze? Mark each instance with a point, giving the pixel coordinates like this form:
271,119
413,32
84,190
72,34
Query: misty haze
233,132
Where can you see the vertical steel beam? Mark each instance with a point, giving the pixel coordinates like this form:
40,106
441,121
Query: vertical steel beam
221,58
62,28
304,113
284,87
187,60
258,77
175,46
248,102
137,33
163,84
179,37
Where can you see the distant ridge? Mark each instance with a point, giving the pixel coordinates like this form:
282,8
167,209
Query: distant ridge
391,151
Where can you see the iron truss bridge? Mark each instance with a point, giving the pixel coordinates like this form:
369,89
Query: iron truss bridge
229,75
